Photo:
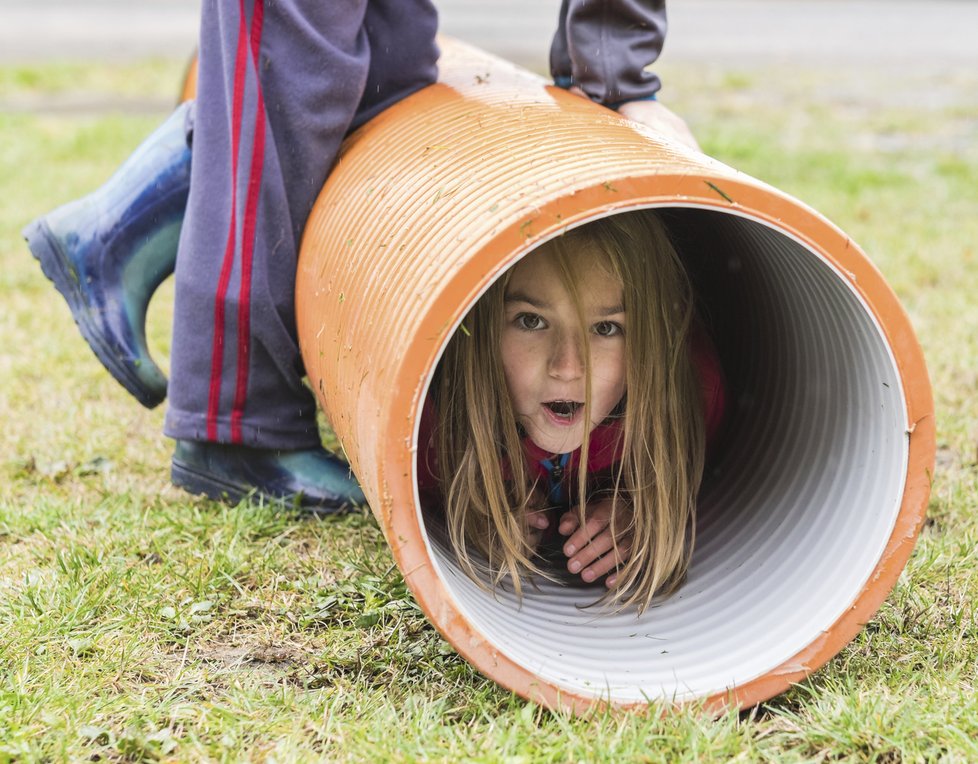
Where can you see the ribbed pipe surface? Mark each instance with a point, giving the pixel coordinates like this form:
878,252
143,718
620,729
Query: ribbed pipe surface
816,492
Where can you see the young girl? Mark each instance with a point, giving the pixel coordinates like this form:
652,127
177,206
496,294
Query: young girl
577,399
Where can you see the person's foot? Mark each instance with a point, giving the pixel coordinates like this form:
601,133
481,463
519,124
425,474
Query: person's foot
108,252
312,480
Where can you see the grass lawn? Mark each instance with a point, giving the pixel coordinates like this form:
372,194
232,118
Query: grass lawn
139,623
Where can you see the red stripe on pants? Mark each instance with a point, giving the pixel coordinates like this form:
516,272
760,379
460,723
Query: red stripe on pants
220,298
248,236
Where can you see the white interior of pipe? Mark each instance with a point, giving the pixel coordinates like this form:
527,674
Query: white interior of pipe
794,514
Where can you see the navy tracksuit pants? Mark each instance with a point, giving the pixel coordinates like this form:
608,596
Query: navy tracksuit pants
280,83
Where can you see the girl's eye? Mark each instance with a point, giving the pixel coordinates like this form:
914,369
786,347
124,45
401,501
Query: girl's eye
530,322
607,329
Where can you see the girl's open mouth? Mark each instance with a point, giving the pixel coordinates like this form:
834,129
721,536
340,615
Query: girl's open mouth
564,411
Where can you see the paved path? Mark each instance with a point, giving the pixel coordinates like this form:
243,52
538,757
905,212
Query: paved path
937,34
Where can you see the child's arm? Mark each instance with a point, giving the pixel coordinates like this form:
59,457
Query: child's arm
605,46
592,550
602,50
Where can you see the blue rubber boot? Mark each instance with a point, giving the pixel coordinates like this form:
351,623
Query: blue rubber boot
311,480
108,252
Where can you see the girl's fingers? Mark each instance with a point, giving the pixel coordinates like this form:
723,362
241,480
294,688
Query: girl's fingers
604,566
589,548
568,523
538,519
598,546
594,526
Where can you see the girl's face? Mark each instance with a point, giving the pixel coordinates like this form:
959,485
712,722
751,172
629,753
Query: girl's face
542,354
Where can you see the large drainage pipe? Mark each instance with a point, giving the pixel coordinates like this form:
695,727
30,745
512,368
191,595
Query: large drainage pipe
819,486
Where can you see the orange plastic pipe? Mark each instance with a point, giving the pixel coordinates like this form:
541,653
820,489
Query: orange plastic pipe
188,89
436,197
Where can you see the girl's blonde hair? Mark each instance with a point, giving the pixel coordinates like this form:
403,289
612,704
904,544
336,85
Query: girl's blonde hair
486,486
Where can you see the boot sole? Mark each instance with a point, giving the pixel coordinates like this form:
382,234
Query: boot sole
186,477
203,484
59,271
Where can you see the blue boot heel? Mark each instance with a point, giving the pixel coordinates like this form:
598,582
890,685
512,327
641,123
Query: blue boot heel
108,252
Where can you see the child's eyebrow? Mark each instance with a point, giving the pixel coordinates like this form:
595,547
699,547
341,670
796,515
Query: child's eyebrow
510,297
524,297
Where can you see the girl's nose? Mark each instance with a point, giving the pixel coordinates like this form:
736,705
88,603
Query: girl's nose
566,360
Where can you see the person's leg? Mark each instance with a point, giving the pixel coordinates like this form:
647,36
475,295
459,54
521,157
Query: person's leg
278,84
236,366
262,149
277,88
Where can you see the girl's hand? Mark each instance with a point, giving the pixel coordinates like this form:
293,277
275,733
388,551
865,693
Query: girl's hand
537,521
591,549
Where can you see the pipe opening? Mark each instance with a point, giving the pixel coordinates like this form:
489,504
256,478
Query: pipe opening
800,497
